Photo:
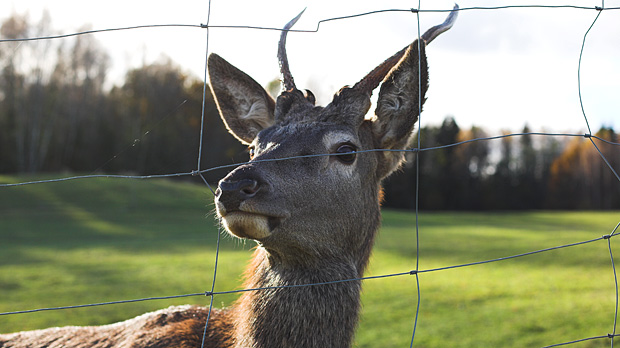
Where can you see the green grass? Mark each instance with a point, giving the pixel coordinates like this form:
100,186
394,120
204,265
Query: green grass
97,240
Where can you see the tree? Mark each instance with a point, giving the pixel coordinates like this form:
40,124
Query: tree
49,94
437,172
580,179
471,166
157,115
12,85
500,192
528,191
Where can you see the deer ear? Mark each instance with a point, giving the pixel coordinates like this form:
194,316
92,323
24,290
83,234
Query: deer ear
398,106
245,107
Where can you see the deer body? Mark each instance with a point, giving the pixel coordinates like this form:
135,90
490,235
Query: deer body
180,326
309,197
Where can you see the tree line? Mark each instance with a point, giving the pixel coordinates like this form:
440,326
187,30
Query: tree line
57,114
513,172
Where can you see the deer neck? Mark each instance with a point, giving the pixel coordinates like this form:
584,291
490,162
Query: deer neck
297,316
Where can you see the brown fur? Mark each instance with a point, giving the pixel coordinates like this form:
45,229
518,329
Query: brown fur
180,326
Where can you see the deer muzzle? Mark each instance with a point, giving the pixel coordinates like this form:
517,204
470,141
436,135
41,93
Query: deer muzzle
240,204
230,194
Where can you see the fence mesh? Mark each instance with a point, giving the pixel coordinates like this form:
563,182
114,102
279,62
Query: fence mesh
415,272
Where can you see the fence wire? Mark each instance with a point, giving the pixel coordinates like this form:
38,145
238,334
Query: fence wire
199,171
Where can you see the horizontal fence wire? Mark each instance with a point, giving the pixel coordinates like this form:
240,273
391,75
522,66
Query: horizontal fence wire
416,272
234,165
391,275
207,25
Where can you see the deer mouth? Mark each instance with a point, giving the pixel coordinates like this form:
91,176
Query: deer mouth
249,223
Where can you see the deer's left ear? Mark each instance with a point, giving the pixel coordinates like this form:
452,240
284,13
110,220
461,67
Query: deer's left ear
399,103
245,107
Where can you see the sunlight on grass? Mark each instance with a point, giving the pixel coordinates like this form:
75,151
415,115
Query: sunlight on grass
537,300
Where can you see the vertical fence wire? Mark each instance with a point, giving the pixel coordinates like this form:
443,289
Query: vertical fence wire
198,169
417,180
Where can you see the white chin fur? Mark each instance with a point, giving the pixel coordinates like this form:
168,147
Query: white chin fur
246,225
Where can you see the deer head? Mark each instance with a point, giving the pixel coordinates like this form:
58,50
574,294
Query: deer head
304,210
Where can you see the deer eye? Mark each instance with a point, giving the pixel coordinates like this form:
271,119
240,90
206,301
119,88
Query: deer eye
346,153
251,152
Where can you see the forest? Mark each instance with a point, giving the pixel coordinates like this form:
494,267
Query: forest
61,115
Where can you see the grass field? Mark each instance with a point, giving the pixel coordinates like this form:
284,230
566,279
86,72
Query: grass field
96,240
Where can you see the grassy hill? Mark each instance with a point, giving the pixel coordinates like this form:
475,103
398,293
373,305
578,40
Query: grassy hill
96,240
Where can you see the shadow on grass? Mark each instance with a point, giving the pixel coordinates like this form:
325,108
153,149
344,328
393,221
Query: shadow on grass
155,216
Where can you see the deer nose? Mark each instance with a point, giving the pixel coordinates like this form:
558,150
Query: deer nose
244,187
232,192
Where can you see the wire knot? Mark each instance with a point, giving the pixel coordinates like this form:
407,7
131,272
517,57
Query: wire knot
208,293
195,172
607,236
598,8
414,272
414,10
587,135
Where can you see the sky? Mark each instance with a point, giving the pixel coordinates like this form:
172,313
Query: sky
497,69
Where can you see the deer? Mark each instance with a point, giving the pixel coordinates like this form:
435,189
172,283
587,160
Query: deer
310,198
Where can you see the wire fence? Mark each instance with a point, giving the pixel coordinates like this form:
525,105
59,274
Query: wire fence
417,271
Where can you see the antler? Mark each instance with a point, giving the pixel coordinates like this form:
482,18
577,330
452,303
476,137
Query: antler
287,79
433,32
374,78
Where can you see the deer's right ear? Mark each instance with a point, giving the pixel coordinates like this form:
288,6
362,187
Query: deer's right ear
398,105
244,105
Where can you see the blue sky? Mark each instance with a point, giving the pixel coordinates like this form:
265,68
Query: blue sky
499,69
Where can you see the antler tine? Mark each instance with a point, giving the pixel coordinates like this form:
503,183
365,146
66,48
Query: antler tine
433,32
287,79
374,78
